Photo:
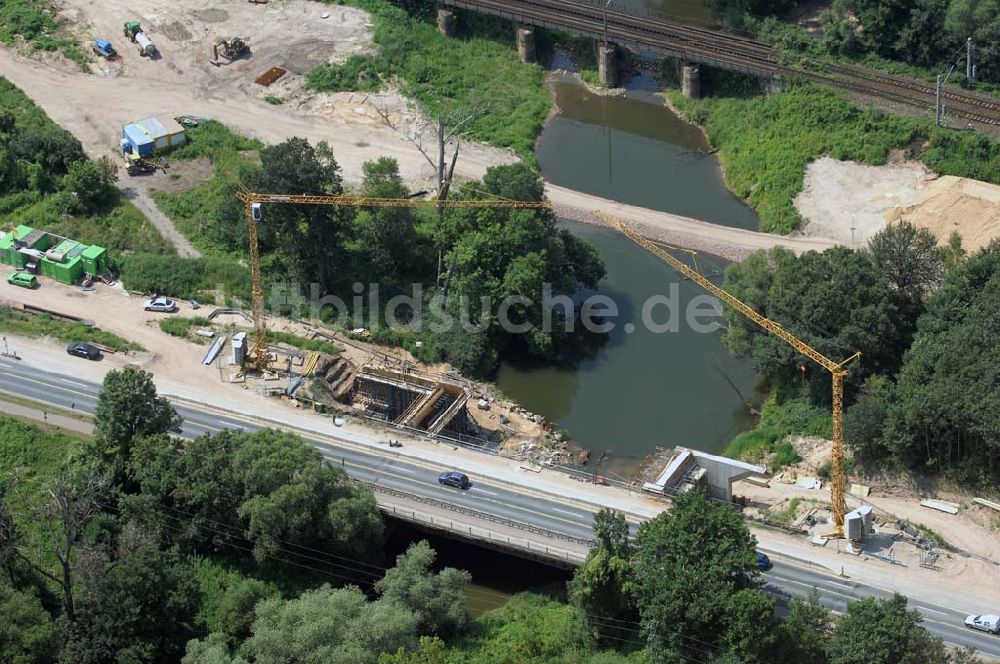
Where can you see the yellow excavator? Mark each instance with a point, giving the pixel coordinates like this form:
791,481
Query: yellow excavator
230,49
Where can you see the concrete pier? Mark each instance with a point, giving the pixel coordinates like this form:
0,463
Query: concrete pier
774,84
691,80
607,64
526,43
446,22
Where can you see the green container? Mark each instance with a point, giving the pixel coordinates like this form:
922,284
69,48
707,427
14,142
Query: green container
94,259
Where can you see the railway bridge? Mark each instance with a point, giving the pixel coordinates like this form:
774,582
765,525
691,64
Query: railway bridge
694,46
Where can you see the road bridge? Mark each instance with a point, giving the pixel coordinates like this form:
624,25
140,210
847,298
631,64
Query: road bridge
543,526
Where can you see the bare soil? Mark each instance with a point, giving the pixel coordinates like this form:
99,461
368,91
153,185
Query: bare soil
850,202
182,80
955,205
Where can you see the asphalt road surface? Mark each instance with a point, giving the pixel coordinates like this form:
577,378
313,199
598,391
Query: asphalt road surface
556,513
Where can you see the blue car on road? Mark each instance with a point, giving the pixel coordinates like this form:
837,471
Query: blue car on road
763,562
455,479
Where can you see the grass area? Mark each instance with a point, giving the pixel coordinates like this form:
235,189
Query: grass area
37,24
319,345
36,456
765,143
449,74
778,420
183,328
177,326
787,515
15,322
188,210
205,279
121,227
359,73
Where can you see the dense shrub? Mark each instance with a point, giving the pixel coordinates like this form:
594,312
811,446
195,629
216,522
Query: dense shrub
186,278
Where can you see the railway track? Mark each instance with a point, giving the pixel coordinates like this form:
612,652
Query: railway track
741,53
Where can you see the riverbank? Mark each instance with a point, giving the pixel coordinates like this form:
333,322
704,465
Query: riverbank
766,142
726,242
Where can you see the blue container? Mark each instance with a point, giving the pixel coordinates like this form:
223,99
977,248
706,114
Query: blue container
138,142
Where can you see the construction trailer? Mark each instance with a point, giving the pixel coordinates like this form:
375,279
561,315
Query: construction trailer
53,256
141,141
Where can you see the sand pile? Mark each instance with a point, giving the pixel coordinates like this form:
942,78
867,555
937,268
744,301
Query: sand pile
952,204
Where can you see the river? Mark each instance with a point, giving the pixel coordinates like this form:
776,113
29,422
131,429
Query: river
641,388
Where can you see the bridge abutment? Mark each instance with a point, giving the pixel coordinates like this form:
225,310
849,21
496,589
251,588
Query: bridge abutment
526,43
607,64
774,84
446,22
691,80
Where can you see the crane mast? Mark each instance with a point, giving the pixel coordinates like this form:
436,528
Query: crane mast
836,369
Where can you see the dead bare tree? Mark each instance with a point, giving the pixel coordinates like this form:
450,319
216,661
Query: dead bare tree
69,507
449,129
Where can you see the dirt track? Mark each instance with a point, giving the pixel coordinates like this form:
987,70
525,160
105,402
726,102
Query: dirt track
94,107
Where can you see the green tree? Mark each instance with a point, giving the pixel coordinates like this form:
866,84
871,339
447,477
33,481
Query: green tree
509,256
603,587
430,651
291,495
27,633
864,422
306,242
836,301
437,599
944,409
140,611
235,612
92,182
693,563
980,20
884,632
529,628
802,635
388,250
327,626
909,259
213,649
128,408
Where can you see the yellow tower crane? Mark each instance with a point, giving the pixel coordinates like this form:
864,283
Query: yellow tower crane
836,369
258,357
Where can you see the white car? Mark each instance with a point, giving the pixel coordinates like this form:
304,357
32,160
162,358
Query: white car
985,623
160,304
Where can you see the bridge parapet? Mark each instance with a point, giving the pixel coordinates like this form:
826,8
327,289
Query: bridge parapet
482,528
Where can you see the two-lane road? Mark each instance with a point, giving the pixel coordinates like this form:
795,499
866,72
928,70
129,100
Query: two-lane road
547,511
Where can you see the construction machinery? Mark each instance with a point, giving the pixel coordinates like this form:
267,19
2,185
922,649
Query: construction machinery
258,358
836,369
230,49
134,33
104,49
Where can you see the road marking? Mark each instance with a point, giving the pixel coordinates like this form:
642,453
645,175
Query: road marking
488,493
72,382
810,585
842,585
232,424
403,470
927,608
5,365
576,514
53,386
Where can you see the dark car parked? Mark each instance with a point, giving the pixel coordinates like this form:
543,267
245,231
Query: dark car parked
86,350
455,479
763,562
